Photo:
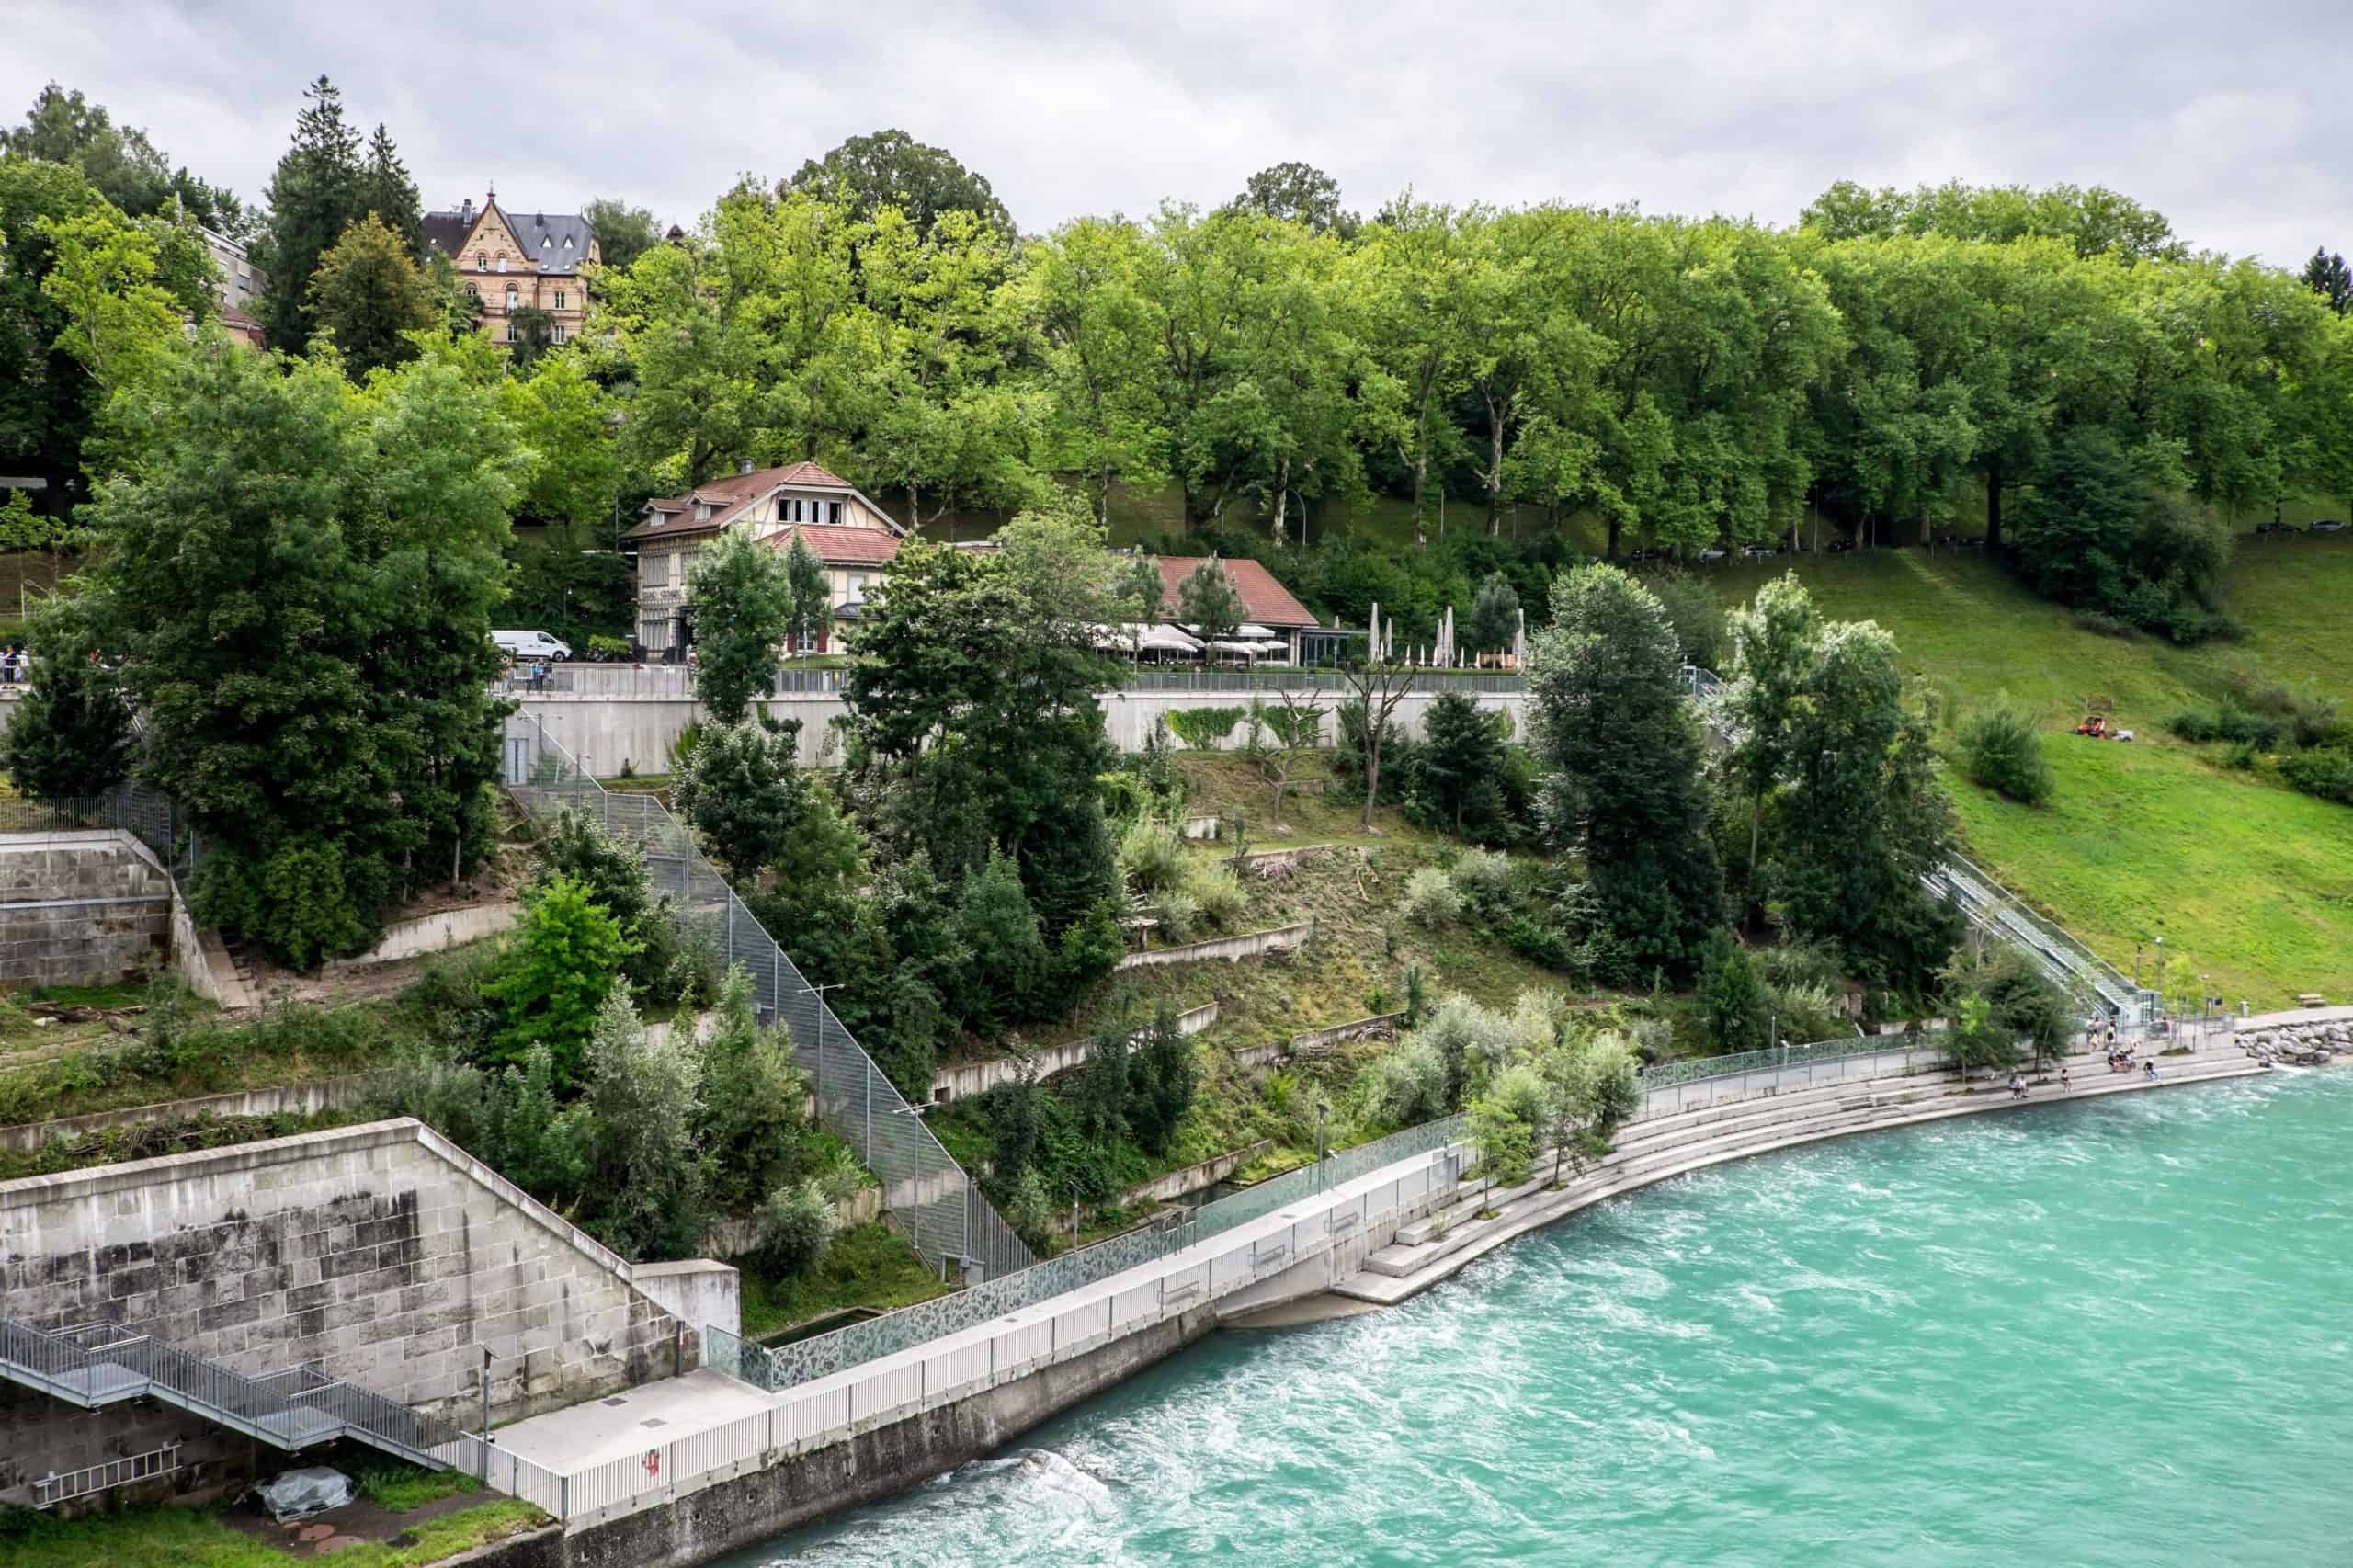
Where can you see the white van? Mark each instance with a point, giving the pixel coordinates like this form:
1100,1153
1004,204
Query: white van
531,646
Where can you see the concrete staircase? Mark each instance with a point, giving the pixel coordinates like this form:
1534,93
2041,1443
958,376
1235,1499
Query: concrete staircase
1655,1148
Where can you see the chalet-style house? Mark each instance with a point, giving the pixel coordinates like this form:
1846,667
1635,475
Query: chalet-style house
854,537
1269,612
517,261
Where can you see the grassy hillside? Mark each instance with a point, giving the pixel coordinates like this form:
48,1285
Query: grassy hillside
2252,881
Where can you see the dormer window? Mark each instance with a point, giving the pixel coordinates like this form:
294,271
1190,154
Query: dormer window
702,511
482,261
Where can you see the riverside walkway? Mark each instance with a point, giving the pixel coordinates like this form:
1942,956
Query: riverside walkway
1363,1239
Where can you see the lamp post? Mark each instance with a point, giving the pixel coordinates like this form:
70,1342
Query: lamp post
1321,1109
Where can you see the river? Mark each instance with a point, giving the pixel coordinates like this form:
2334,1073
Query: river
2119,1333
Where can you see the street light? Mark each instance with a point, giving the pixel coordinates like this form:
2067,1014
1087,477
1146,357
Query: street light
1321,1111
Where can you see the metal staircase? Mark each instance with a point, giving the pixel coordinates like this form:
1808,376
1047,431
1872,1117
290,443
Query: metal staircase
94,1365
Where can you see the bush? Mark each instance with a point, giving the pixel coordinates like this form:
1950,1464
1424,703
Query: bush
1219,894
565,961
2328,773
1152,856
1206,728
2228,723
1430,898
1404,1086
2002,750
1180,916
794,1225
1483,878
1538,943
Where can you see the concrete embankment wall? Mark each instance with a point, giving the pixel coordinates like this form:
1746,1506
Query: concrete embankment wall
380,1254
610,731
80,908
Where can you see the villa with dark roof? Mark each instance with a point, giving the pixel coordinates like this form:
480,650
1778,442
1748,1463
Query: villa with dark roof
517,261
852,537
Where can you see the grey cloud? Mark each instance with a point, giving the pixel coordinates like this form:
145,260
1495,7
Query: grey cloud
2224,120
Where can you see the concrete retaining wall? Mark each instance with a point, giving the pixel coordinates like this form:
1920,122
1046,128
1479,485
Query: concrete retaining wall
436,933
1197,1177
381,1254
763,1501
607,732
80,908
1315,1042
1255,944
299,1100
964,1079
700,1291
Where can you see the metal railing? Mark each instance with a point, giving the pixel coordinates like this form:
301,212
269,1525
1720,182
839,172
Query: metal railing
94,1365
141,810
1667,1074
910,1326
656,679
940,1205
2001,913
59,1487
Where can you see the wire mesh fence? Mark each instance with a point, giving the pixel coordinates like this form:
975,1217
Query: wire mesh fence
141,810
931,1196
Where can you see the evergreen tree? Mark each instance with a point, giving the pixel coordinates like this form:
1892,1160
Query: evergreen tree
997,926
737,588
1732,997
1458,767
1492,625
370,296
386,190
2327,275
1165,1077
1622,759
809,594
742,790
314,196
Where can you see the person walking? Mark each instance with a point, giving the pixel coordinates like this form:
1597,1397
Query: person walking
2066,1081
2149,1070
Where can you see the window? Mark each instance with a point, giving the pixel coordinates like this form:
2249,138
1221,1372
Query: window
482,261
559,331
558,299
502,261
513,299
833,511
702,511
473,292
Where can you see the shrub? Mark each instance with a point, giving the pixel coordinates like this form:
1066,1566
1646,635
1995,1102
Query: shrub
2228,723
644,1196
1152,856
1732,997
1430,898
565,961
1403,1086
2328,773
1031,1213
1473,1041
793,1224
1180,916
1483,878
1537,942
1219,894
1206,728
2002,750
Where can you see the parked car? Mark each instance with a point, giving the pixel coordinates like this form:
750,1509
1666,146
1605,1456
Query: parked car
1760,552
1711,555
2275,528
2329,526
531,646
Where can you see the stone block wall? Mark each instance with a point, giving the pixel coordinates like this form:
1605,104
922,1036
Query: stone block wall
381,1255
80,909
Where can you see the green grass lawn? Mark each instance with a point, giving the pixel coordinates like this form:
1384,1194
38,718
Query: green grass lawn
191,1538
2251,880
865,1265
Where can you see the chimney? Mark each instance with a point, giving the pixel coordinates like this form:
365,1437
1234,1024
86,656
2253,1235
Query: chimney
743,465
466,211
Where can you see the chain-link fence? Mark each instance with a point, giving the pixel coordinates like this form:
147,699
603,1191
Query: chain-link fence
141,810
940,1206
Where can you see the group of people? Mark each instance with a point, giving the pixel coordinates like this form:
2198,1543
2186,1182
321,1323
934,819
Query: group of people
2121,1058
16,664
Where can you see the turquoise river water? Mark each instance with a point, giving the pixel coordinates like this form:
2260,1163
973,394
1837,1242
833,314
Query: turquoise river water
2114,1333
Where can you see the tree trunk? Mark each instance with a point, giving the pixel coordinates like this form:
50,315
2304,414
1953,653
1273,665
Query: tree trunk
1617,526
1421,477
1371,766
1993,505
1282,496
1495,472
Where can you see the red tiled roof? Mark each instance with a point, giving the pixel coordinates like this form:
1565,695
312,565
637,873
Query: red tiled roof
1264,600
838,545
728,494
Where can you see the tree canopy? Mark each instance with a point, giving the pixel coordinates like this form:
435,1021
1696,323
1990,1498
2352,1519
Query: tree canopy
890,169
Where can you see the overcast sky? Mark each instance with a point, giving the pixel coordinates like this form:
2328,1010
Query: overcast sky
2216,114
